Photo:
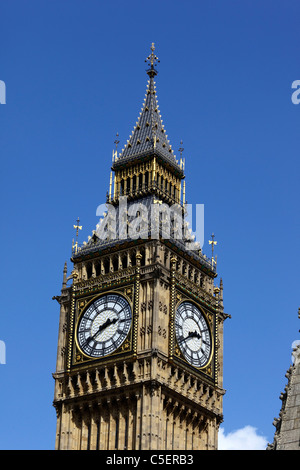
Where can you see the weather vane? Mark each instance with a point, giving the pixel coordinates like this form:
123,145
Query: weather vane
77,228
213,242
152,60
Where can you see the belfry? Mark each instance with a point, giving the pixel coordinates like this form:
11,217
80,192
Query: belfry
140,343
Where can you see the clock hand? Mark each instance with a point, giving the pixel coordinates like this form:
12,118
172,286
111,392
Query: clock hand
191,334
194,334
104,325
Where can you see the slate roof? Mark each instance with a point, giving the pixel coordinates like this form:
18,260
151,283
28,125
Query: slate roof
149,135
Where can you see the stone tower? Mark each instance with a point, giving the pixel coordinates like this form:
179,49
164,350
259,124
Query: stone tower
140,345
287,434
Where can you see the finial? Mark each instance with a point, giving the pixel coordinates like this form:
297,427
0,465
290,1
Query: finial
65,275
181,149
117,141
213,242
152,60
182,161
115,152
77,227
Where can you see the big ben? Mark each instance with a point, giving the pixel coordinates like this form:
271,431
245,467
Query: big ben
140,343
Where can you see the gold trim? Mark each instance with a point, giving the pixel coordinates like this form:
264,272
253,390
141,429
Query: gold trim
71,330
136,299
172,308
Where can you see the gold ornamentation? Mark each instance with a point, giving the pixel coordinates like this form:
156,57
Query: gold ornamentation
79,357
213,242
77,227
126,345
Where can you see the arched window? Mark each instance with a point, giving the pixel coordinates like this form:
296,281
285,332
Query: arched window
122,188
106,266
133,259
89,270
146,180
98,269
124,261
143,258
115,264
140,181
128,185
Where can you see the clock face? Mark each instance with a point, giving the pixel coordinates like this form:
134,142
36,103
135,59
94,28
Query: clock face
193,334
104,325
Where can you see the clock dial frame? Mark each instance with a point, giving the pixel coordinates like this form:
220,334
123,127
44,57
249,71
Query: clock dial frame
193,334
104,325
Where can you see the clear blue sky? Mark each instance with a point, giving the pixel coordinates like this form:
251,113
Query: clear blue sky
75,75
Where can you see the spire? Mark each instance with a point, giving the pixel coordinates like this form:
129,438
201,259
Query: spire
149,135
65,276
77,227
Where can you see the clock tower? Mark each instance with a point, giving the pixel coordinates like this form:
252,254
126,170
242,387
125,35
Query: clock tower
140,344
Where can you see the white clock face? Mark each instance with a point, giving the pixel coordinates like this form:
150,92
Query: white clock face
193,334
104,325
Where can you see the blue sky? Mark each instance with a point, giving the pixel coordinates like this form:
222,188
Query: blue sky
75,75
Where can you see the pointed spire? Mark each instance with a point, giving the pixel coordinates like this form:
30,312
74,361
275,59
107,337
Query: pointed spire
115,152
149,136
221,291
65,275
77,227
182,160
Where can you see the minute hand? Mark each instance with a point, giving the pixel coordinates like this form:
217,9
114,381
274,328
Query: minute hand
191,335
194,334
104,325
101,327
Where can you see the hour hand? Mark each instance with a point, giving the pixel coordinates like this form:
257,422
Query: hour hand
191,334
194,334
104,325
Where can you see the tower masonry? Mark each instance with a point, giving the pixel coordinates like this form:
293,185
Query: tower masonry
140,344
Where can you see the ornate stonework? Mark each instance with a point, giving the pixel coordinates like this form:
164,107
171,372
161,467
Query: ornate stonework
287,434
146,393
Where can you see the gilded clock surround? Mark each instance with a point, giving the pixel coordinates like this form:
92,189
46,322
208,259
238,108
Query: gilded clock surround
183,290
208,369
82,305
